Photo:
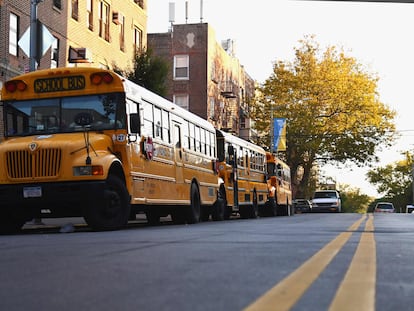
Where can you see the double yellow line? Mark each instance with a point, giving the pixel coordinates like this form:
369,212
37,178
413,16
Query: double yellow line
357,290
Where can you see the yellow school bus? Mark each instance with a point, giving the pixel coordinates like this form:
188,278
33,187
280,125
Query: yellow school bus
87,142
283,196
242,169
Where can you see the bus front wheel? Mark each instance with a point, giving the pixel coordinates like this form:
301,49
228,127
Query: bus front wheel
194,210
10,223
113,214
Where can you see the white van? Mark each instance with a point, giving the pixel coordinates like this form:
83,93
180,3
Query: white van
326,201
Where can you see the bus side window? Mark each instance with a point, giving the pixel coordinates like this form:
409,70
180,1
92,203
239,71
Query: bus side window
135,123
279,170
165,126
231,155
177,136
157,122
271,169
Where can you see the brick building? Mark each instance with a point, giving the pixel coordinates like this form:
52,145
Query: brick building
205,77
97,33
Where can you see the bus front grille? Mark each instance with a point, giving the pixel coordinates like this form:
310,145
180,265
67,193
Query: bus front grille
43,163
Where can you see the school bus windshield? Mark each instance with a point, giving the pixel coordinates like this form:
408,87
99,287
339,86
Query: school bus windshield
65,114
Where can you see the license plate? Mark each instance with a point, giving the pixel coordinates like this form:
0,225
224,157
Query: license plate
32,192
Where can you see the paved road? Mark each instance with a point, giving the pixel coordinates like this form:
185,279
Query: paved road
305,262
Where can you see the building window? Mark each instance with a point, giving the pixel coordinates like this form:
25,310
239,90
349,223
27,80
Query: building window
242,122
57,4
75,9
212,108
122,32
137,39
140,3
104,20
13,34
181,67
89,14
181,100
54,58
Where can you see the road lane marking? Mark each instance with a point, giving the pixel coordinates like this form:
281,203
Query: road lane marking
288,291
357,290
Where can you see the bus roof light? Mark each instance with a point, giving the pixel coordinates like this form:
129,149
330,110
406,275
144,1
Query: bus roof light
21,86
98,78
13,85
107,78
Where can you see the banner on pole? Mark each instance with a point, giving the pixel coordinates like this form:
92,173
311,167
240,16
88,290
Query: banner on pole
279,134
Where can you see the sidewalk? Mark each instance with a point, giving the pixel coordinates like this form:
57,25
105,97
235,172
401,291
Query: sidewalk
54,222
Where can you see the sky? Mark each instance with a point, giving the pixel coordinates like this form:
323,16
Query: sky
380,36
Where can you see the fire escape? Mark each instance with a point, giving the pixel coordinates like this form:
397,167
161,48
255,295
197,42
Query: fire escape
229,91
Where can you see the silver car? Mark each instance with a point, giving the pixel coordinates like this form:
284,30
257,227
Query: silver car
384,207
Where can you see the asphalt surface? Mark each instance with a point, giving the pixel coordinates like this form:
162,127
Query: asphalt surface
227,265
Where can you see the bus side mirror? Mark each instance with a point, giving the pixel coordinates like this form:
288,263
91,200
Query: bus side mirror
134,123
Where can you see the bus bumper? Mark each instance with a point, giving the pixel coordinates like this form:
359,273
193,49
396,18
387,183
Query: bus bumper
61,199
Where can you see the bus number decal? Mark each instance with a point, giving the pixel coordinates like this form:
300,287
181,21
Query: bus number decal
58,84
119,138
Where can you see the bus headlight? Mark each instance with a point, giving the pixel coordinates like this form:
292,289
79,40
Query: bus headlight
88,170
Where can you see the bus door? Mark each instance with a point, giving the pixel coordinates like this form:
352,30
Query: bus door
134,136
178,153
233,162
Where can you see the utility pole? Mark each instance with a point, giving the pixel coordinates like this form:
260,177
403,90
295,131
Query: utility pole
272,128
33,34
412,183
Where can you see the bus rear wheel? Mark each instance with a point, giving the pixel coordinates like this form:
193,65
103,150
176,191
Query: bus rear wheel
113,214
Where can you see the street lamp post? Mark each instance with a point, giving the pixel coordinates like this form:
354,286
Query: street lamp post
272,130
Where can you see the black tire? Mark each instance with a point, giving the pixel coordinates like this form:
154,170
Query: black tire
10,224
115,211
218,210
205,213
223,195
194,210
273,209
244,211
281,210
178,216
254,211
153,217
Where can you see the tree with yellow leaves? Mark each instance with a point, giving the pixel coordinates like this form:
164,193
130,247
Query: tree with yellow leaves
332,110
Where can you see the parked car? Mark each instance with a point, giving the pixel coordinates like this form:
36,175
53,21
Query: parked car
326,201
384,207
302,206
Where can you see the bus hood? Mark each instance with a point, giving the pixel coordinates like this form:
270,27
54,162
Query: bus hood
70,142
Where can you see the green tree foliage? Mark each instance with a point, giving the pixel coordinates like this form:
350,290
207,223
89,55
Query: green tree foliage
353,201
331,106
394,181
148,71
